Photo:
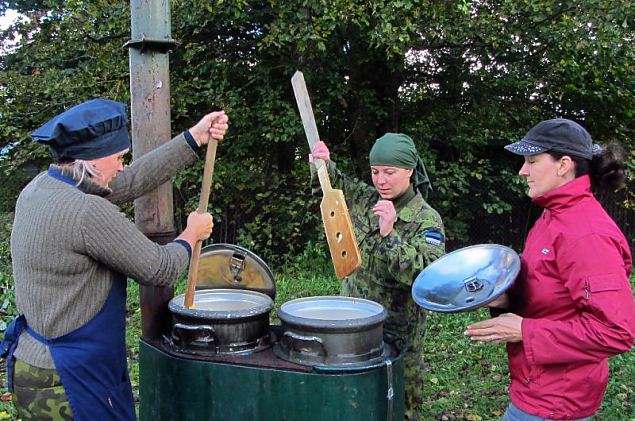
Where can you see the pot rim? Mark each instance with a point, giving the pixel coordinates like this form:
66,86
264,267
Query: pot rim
260,304
377,314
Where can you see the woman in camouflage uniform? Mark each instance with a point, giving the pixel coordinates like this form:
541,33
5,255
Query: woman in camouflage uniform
398,234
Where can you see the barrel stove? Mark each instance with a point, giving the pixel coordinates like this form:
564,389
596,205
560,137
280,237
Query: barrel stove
330,358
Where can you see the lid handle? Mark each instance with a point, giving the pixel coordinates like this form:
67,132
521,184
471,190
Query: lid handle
473,284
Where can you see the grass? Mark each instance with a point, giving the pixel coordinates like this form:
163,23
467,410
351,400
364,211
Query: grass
464,381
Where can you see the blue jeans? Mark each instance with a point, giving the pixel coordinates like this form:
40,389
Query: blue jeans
515,414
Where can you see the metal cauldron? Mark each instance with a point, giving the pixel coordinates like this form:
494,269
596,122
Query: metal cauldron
230,315
221,321
331,330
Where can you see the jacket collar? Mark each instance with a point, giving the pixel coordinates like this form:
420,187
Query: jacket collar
409,213
87,185
566,196
413,208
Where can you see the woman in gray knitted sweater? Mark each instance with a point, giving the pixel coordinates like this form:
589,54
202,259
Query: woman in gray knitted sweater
72,251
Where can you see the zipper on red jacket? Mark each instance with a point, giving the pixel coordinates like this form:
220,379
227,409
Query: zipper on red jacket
587,289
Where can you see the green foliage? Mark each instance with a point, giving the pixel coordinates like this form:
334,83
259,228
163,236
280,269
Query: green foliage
7,293
457,367
463,78
7,305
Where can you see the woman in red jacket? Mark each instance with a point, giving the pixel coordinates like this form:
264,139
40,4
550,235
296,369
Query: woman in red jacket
571,307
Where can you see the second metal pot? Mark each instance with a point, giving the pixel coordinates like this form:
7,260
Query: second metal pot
331,330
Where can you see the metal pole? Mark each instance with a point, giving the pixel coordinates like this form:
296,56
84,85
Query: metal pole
150,109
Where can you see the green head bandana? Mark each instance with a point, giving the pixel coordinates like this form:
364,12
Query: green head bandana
398,150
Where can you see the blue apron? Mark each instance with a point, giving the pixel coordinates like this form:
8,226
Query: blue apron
90,360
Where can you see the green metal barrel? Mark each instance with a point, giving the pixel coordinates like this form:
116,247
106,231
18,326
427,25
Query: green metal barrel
175,388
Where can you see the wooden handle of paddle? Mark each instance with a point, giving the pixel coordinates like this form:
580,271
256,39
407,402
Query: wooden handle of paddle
310,127
208,173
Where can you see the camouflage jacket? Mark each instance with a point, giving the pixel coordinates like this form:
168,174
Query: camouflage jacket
390,264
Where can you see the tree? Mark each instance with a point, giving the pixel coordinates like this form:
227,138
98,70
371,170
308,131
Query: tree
462,78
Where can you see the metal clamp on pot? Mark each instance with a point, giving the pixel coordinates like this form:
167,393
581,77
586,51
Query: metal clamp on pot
230,266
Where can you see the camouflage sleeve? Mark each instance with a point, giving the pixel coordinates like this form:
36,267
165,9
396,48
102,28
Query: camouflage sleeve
407,257
356,192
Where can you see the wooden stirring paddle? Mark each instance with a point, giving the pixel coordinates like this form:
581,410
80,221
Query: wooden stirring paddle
208,173
337,221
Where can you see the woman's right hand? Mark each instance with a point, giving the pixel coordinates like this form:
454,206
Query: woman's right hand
214,125
320,151
201,224
199,228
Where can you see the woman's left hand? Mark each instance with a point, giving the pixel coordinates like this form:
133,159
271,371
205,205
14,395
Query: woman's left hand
504,328
387,214
214,125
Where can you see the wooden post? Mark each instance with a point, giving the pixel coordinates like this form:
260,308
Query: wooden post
150,109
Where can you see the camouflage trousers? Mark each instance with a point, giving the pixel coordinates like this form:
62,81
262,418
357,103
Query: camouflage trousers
414,377
38,393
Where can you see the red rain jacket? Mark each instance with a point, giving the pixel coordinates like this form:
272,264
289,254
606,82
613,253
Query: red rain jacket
578,307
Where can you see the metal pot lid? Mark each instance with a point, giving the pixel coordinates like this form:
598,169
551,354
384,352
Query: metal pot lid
466,279
223,304
231,266
332,312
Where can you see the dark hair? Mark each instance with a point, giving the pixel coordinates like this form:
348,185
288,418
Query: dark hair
606,169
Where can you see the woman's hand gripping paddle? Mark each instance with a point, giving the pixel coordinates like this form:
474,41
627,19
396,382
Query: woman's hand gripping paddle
208,173
337,221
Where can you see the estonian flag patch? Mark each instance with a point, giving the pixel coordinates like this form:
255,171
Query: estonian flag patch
434,238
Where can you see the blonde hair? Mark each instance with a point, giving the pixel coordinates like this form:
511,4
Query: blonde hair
81,169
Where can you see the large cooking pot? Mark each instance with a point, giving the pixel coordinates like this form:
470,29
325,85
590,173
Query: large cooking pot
221,322
331,330
231,309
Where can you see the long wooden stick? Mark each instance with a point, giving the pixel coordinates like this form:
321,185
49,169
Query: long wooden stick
208,173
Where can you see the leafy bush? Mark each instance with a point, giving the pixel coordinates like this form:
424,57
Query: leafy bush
7,292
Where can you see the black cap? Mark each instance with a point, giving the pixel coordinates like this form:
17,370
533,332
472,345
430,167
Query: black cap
93,129
558,135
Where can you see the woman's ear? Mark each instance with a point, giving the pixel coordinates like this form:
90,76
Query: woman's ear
566,166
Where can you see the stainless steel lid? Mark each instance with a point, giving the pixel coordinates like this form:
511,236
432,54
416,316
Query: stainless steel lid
223,304
230,266
466,279
332,311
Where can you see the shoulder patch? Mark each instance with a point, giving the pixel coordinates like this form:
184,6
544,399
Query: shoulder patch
432,237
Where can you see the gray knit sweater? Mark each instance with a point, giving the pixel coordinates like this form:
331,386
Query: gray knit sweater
69,243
